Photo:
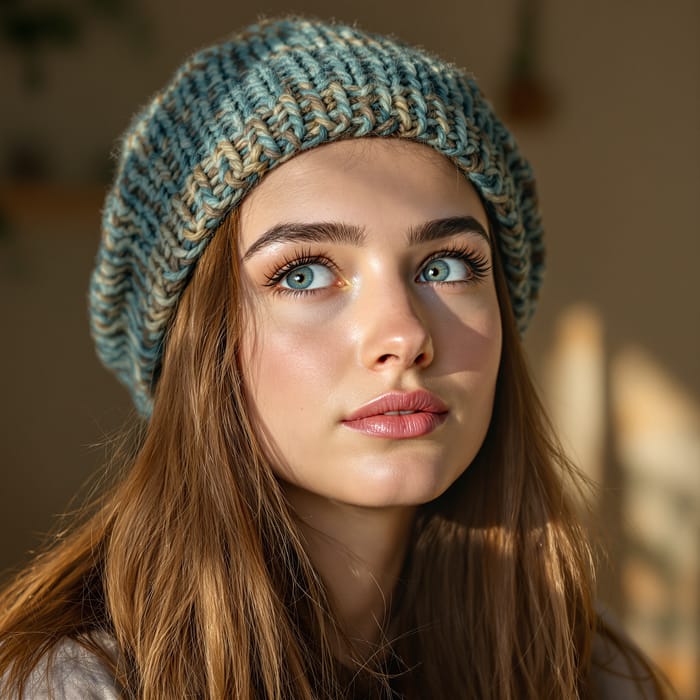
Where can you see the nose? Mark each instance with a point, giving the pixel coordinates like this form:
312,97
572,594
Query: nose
394,334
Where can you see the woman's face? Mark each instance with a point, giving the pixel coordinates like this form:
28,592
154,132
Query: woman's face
372,337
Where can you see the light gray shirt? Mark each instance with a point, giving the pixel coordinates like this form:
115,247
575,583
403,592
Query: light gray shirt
76,674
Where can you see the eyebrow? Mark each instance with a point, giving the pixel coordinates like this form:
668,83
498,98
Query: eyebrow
328,232
340,232
443,228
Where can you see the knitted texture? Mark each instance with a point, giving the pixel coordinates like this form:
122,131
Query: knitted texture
239,108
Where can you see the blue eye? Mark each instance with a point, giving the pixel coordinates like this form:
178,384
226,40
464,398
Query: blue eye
445,270
303,277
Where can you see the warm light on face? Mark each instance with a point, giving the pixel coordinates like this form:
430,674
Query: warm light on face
374,330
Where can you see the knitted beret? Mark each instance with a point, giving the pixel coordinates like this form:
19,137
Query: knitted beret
237,109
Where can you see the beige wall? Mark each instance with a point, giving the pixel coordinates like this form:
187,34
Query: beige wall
618,164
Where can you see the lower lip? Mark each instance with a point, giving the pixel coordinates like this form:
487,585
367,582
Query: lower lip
410,425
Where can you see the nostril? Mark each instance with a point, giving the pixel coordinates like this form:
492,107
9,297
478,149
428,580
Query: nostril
420,359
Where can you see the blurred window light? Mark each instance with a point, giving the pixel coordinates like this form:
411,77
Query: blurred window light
635,431
657,436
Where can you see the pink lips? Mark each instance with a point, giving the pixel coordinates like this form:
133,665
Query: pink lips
411,414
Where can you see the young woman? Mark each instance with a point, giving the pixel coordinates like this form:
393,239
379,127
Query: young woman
317,258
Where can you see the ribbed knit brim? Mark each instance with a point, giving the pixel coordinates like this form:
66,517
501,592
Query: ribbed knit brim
241,107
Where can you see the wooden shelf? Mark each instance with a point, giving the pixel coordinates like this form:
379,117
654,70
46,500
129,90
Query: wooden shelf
42,204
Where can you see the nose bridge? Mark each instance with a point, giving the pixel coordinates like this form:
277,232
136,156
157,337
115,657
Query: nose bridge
393,328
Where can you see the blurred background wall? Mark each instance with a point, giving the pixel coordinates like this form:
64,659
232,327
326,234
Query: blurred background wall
604,98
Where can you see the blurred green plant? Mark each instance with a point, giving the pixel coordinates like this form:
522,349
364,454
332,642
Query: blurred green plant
31,29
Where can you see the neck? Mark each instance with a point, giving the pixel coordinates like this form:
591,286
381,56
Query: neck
358,553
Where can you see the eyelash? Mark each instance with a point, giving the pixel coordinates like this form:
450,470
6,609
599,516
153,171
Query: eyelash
477,262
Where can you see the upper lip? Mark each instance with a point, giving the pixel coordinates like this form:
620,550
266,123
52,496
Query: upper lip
420,400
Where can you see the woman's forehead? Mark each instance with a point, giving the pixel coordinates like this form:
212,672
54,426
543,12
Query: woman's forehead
359,181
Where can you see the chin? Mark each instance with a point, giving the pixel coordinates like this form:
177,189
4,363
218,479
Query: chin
404,486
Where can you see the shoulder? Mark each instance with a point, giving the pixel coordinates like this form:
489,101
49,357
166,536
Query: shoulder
619,671
70,672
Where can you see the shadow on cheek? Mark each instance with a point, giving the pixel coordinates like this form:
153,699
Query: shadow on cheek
466,349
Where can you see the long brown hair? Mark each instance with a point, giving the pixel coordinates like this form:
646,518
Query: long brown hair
193,562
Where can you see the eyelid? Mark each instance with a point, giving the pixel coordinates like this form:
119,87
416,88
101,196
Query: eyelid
478,261
305,257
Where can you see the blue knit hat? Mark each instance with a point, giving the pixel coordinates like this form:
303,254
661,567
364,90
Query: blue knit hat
239,108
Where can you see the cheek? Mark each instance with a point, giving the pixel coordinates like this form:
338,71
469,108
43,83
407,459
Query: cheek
290,364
